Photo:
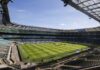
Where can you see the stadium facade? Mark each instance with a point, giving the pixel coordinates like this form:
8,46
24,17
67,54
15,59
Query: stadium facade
34,34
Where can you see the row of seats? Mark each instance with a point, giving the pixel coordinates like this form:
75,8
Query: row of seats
24,27
87,61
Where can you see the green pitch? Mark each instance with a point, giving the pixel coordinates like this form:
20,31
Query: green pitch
44,52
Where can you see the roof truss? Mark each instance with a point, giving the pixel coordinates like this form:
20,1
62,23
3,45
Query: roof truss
89,7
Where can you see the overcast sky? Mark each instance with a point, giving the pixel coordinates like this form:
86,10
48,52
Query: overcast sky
49,13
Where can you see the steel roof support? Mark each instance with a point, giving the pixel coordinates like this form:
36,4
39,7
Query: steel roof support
76,6
92,5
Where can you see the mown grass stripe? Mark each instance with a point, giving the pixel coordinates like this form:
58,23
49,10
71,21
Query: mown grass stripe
44,52
47,51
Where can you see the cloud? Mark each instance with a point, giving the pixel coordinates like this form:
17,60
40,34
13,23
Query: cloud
21,10
62,24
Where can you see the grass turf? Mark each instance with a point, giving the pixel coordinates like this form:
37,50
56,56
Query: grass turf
44,52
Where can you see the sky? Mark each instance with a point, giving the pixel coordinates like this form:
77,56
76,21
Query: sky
49,14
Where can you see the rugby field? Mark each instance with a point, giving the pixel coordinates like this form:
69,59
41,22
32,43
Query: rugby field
44,52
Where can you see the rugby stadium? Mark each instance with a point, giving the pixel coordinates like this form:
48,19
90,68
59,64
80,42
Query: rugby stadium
38,48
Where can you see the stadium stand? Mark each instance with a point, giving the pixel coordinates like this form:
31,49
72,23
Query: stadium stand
86,60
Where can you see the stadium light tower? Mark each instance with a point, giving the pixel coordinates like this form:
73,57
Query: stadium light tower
4,11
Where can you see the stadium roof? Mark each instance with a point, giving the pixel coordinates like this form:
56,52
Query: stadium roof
89,7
